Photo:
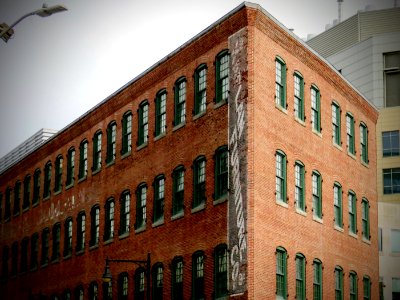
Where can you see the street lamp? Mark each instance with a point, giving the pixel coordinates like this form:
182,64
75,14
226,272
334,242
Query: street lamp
107,277
8,31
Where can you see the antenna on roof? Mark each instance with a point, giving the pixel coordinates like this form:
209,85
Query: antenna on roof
339,2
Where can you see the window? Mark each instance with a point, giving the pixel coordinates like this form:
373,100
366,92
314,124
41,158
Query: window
364,143
353,286
300,277
380,244
199,182
125,215
5,258
352,212
298,96
97,139
34,251
45,247
280,173
177,278
36,187
141,200
198,275
367,288
14,259
280,83
222,77
126,132
94,226
281,273
336,124
391,143
143,126
178,190
27,192
317,194
391,181
24,255
159,189
161,112
365,218
299,186
350,134
395,237
68,237
107,290
158,277
58,175
66,295
221,271
56,242
337,203
83,148
80,232
395,288
17,198
70,166
140,284
200,96
123,286
317,280
109,220
47,180
338,283
221,172
111,140
7,207
180,101
315,109
93,290
392,78
79,293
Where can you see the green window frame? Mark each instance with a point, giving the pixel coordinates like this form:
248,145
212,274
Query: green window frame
280,175
24,255
161,112
391,181
83,157
7,206
221,172
317,280
177,278
44,260
56,235
141,201
298,96
109,219
17,198
178,188
336,124
281,273
94,226
67,237
143,123
365,219
300,277
125,213
280,82
391,143
352,201
350,134
221,271
58,175
126,132
353,285
199,182
222,77
200,93
338,283
36,187
338,205
180,101
80,232
158,281
159,194
140,278
34,256
364,143
315,109
97,140
299,171
47,180
198,276
367,288
111,142
27,193
70,166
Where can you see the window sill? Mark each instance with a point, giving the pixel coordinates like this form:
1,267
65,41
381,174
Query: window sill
35,204
338,228
15,214
178,215
337,146
351,155
281,203
366,241
46,198
25,209
282,109
94,247
56,193
220,200
124,235
220,103
80,252
108,241
110,163
317,133
353,235
301,212
33,269
126,154
144,145
55,260
198,208
160,136
179,126
67,187
68,256
199,115
82,179
44,265
318,219
96,171
364,164
300,121
140,229
158,223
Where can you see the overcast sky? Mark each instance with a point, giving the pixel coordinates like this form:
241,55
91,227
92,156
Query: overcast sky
55,69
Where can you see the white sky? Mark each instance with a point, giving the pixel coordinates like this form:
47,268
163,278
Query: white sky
57,68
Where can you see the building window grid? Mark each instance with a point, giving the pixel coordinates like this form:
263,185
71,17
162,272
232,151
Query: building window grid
68,237
300,277
352,212
222,72
221,269
81,229
97,151
58,175
27,193
391,181
391,143
317,280
338,209
140,284
198,276
83,166
367,288
365,218
178,188
95,226
201,90
281,273
338,283
159,199
177,279
336,124
221,172
199,189
70,167
299,97
141,210
158,277
280,172
161,105
315,109
109,220
111,142
364,143
353,286
125,215
143,124
350,134
180,102
280,83
299,186
126,133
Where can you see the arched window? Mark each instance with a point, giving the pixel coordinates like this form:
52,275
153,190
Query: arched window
94,225
315,108
83,157
68,237
27,192
47,180
7,206
300,276
4,262
222,77
79,293
161,113
199,182
125,212
299,195
221,271
97,140
24,255
281,273
159,194
180,101
350,133
351,197
178,189
14,259
367,287
93,291
336,124
365,219
17,198
44,260
143,123
111,142
177,278
58,175
36,187
338,283
109,220
280,175
80,231
364,142
298,96
126,132
198,275
158,281
56,242
123,286
34,251
200,93
70,167
338,205
141,202
353,285
140,283
317,281
221,172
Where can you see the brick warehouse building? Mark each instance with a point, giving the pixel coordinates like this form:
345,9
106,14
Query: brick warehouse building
290,213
